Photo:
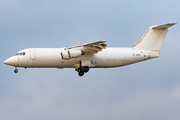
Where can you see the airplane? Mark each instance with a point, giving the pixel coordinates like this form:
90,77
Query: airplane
92,55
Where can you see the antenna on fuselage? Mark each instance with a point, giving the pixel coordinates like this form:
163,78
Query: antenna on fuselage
66,48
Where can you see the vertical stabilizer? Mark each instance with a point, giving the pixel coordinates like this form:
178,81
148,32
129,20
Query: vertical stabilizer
153,39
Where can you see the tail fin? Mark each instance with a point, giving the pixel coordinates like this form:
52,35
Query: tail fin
153,39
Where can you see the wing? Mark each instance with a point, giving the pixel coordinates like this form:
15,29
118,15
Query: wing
91,47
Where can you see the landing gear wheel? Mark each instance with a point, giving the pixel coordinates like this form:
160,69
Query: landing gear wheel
81,73
82,69
16,70
86,69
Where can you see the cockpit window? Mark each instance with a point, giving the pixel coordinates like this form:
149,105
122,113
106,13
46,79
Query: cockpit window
21,53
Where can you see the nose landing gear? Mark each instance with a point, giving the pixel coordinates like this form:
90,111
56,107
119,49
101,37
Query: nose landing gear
16,70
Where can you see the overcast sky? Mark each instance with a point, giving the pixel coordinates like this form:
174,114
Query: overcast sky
148,90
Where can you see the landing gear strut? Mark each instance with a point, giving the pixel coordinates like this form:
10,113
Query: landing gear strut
82,69
16,70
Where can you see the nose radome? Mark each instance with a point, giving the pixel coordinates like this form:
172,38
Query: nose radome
5,62
11,61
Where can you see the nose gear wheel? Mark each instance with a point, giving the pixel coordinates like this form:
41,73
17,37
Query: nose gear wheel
16,70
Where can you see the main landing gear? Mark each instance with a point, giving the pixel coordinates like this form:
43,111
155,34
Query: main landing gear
16,70
82,69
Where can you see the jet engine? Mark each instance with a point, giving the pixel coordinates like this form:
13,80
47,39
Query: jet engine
69,54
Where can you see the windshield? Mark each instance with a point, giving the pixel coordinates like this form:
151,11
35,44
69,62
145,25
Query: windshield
21,53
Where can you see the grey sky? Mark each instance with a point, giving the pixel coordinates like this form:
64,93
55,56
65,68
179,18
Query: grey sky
143,91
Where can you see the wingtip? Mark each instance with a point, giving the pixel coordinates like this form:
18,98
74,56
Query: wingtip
173,23
103,41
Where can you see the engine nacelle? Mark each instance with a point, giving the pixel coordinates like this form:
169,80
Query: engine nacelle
68,54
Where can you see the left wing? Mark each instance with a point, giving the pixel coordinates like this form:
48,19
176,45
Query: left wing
91,47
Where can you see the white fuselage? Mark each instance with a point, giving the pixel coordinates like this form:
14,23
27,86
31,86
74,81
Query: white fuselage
92,55
51,58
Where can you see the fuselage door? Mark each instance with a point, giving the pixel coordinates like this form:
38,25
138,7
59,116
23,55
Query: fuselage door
32,54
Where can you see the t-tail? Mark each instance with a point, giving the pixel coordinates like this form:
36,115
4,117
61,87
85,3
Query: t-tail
153,39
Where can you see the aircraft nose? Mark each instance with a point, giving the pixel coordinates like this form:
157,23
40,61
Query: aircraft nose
11,61
6,62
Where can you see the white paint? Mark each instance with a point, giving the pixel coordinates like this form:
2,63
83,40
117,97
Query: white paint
96,54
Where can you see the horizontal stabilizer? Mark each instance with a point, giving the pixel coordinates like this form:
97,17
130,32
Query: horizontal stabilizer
165,26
